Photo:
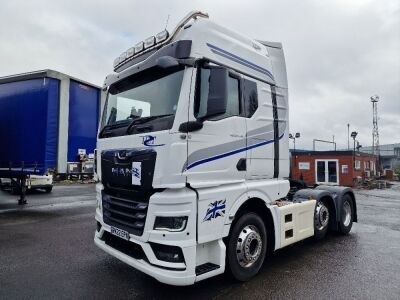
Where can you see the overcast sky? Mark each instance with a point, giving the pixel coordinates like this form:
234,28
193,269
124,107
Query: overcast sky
338,53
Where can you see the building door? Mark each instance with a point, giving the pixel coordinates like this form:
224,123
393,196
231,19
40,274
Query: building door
326,171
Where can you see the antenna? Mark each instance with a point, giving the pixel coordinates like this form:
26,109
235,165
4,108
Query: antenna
166,23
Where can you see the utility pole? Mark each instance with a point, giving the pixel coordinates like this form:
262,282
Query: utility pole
375,132
348,136
353,135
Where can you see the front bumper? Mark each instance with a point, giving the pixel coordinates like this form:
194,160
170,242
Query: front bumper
173,202
160,273
166,203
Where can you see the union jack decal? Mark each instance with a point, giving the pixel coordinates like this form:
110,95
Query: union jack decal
215,209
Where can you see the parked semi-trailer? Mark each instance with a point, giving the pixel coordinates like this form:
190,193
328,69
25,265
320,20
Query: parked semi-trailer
193,158
46,119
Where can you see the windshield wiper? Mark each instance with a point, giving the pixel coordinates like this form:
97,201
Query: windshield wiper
144,120
112,126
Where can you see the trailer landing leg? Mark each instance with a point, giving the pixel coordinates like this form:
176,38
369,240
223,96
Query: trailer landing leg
21,185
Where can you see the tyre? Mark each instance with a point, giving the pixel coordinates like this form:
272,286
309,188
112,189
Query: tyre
246,248
48,189
321,219
346,218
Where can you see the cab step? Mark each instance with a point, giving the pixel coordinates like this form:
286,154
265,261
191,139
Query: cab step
205,268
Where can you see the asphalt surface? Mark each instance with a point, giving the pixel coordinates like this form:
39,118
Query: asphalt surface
47,251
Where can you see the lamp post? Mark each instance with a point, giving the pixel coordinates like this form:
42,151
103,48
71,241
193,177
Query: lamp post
354,135
348,136
294,137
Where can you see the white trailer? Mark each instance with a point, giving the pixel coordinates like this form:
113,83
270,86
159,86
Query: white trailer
193,161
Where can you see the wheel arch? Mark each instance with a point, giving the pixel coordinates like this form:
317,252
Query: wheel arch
320,195
338,193
259,207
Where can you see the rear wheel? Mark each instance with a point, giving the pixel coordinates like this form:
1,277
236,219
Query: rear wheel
247,247
321,219
346,218
48,189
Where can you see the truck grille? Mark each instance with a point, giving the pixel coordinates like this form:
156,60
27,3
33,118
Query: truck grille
126,209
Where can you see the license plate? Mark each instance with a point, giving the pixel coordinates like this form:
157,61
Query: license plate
120,233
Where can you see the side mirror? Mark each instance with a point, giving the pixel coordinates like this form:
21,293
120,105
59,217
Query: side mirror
166,62
217,92
190,126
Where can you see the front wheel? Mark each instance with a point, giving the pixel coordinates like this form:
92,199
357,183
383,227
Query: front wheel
247,247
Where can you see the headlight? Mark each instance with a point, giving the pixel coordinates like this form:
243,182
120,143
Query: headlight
173,224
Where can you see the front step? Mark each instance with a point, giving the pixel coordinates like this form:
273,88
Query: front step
205,268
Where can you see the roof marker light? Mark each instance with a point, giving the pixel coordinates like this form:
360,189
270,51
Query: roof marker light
149,42
162,36
139,47
116,61
130,52
122,57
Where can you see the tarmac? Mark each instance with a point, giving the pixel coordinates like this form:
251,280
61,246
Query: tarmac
47,251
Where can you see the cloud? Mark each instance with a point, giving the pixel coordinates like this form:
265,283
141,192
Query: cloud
338,53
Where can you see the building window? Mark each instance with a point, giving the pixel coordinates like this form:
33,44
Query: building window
366,165
397,151
357,165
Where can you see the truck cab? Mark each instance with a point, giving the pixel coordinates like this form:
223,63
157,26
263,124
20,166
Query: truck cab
192,157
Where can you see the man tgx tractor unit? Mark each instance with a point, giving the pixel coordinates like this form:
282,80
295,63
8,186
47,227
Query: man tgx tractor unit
193,161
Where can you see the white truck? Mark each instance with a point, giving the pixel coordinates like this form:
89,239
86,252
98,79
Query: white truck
193,161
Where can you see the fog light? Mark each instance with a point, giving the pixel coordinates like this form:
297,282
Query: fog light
173,224
98,226
168,253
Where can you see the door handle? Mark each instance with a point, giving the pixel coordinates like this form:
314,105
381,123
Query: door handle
236,135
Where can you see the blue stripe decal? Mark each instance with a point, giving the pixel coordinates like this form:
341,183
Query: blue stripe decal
240,60
206,160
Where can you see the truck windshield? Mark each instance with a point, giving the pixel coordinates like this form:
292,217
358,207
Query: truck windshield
144,96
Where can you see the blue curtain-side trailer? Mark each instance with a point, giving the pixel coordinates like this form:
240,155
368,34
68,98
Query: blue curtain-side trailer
48,125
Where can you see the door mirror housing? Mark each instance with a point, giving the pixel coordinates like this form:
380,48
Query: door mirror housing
190,126
217,92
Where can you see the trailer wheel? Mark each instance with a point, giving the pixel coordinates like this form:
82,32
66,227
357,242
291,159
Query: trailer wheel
321,219
247,247
346,218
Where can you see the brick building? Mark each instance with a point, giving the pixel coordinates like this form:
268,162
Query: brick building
332,167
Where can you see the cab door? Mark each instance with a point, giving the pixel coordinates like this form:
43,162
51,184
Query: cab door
217,151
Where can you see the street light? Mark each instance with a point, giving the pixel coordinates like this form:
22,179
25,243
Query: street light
296,136
354,135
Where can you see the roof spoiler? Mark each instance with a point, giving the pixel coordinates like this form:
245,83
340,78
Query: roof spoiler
271,44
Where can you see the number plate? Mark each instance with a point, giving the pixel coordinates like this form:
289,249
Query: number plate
120,233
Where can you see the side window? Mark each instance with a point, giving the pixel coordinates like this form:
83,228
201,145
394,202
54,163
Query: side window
232,107
250,97
233,102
